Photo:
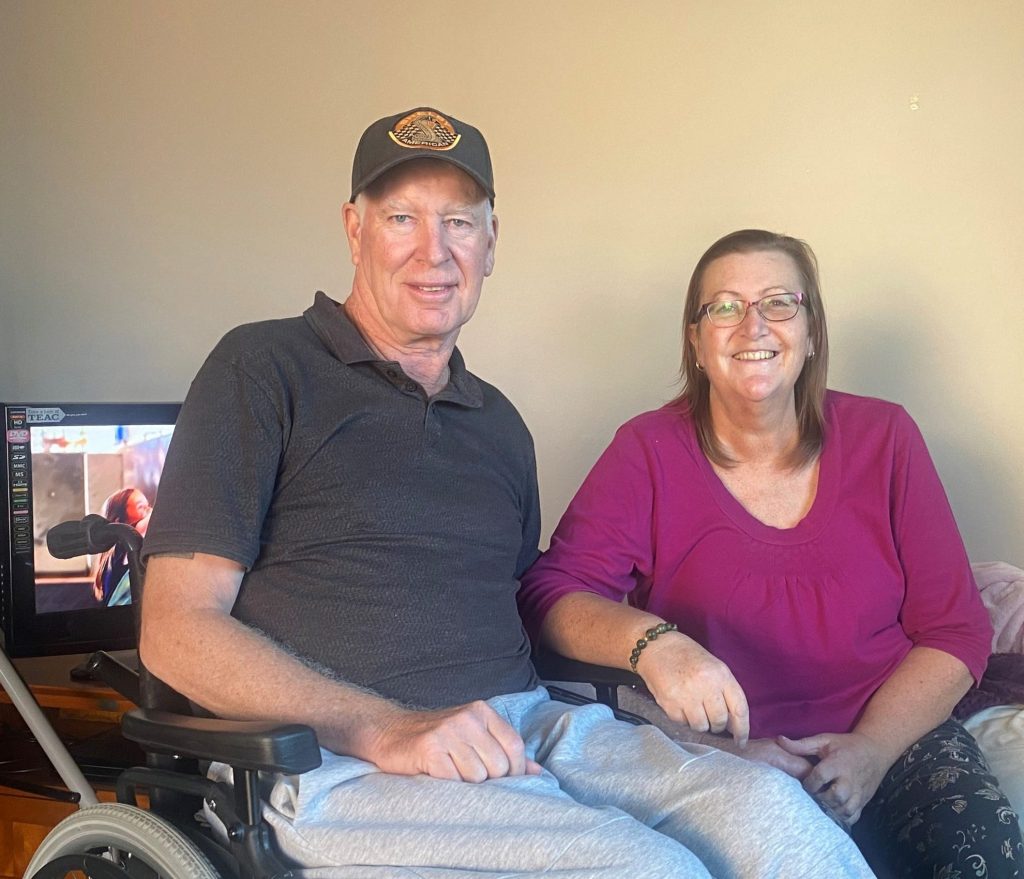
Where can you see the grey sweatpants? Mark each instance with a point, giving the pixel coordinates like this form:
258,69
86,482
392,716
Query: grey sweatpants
614,801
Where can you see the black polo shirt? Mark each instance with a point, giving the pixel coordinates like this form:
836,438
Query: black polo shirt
383,532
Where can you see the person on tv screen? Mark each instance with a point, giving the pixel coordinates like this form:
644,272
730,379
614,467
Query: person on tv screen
128,506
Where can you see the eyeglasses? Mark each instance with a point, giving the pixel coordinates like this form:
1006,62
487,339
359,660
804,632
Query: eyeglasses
777,305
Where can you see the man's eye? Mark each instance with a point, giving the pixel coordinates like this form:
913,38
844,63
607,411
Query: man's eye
458,223
400,218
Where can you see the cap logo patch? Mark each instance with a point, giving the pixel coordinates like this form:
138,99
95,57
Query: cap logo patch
424,129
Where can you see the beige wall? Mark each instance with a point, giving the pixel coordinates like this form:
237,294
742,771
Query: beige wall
171,169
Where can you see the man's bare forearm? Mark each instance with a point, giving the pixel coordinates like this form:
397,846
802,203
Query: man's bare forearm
191,642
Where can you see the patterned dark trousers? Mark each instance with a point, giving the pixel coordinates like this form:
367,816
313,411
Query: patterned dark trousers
939,814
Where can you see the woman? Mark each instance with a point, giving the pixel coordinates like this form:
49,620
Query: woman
131,507
801,542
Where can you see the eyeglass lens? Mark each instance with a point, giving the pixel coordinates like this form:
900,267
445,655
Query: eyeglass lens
775,307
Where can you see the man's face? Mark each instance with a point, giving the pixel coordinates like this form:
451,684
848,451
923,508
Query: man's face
422,244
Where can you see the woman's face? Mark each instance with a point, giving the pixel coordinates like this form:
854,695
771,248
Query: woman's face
137,507
757,360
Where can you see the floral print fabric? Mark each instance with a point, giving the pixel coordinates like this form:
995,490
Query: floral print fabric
939,814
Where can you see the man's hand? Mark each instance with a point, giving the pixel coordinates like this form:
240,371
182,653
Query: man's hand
850,768
467,743
694,687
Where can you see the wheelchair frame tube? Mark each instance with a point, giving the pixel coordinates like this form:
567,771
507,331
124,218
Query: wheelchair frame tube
32,714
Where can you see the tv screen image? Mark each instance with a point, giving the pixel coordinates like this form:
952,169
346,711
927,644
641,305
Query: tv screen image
63,461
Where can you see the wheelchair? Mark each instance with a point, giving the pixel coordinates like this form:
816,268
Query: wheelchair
171,839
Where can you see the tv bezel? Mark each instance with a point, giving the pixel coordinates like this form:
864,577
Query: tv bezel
26,633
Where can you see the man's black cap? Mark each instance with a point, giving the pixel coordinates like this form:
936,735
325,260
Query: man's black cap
423,133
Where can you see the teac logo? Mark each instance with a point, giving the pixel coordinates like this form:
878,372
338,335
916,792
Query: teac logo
50,415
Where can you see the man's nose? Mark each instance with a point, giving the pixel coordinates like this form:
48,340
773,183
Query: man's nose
433,243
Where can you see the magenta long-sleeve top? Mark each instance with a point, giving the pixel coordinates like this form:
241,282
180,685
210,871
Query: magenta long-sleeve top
811,619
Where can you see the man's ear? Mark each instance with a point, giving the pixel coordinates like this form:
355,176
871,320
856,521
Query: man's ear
352,222
489,262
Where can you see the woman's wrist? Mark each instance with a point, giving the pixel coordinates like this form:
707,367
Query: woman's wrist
649,636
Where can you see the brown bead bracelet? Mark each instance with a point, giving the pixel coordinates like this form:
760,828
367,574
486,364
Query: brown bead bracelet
650,635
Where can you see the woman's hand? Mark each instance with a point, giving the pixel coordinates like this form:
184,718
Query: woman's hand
759,750
694,687
917,697
769,751
849,770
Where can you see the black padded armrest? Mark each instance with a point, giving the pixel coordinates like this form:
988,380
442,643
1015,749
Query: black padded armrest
246,744
555,667
114,673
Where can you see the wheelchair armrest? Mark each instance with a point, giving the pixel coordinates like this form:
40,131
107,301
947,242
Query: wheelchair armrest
115,674
555,667
266,746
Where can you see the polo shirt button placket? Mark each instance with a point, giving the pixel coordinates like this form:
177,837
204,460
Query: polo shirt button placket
432,423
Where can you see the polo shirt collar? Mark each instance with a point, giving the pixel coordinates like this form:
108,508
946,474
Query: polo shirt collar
340,336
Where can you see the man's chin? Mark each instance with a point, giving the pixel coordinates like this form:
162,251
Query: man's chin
437,332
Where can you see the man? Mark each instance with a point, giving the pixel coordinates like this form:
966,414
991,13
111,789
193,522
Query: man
342,522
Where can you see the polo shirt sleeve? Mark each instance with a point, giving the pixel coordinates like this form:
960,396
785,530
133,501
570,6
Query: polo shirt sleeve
603,542
222,462
942,607
530,514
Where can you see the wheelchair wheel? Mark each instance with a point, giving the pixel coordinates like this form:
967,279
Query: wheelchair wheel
114,840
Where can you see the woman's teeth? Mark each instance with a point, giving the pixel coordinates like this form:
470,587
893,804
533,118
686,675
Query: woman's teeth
755,355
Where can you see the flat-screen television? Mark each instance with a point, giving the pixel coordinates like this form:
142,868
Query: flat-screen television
63,461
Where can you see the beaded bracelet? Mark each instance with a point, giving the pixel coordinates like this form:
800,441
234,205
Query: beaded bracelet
650,635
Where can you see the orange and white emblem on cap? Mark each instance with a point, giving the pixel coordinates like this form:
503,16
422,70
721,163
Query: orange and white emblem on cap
424,130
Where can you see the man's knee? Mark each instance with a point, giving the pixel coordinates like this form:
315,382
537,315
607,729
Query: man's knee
763,791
